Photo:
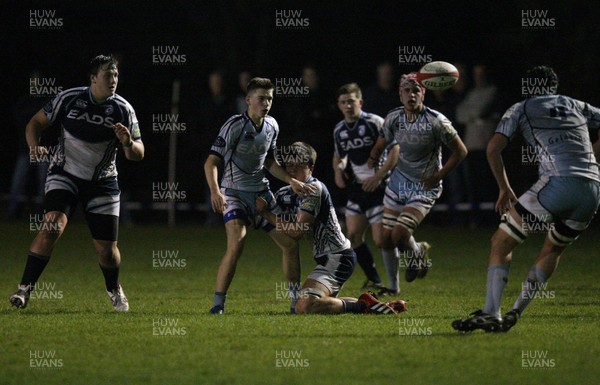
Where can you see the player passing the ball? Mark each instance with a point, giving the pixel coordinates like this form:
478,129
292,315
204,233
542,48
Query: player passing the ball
416,182
561,203
353,138
314,214
95,123
246,144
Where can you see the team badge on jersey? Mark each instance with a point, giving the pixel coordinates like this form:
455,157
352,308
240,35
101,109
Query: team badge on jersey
109,110
248,136
361,130
219,142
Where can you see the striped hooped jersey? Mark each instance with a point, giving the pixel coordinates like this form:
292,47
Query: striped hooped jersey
88,145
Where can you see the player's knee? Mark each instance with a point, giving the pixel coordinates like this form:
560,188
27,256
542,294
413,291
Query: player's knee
308,299
356,239
107,251
401,235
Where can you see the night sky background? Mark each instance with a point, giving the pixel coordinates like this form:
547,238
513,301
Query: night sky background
344,41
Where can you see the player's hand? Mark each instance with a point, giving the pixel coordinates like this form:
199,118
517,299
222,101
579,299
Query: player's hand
372,162
371,183
122,134
506,199
261,205
36,154
339,180
431,182
302,189
218,202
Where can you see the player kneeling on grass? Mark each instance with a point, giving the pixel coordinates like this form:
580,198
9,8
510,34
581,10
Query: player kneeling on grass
332,251
85,171
562,202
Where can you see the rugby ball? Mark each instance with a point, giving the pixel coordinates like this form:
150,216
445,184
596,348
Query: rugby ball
437,75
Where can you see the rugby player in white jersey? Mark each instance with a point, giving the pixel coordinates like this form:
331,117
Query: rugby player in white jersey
416,182
353,138
314,214
562,202
95,123
246,144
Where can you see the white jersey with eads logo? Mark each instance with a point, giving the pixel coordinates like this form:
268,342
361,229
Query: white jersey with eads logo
244,148
88,145
556,126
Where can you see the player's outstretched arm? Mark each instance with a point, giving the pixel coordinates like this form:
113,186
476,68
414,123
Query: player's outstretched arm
37,124
217,200
294,230
373,182
278,172
459,152
338,169
506,196
134,149
376,152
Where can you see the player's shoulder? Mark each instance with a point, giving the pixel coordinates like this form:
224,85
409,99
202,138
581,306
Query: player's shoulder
72,92
272,122
339,127
394,113
122,102
515,109
372,118
284,191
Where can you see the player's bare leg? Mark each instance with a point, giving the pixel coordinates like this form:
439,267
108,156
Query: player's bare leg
541,271
390,258
315,298
291,263
416,253
357,226
40,251
109,259
236,233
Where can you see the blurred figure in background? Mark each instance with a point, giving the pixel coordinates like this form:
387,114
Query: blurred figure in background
382,96
25,107
240,100
479,114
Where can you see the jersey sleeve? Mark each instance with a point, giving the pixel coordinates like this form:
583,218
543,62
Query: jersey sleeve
509,123
133,124
338,150
227,138
386,130
592,114
312,203
273,144
446,131
53,109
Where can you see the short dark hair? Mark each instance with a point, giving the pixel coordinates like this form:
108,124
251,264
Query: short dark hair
348,89
256,83
306,151
549,76
101,60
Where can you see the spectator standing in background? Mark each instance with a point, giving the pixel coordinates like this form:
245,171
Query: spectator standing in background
479,114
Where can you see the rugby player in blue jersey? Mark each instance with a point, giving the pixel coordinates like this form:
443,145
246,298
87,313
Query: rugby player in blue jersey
95,123
246,144
353,138
562,202
313,213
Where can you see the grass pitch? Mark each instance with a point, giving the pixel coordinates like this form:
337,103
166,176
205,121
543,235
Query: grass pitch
70,335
